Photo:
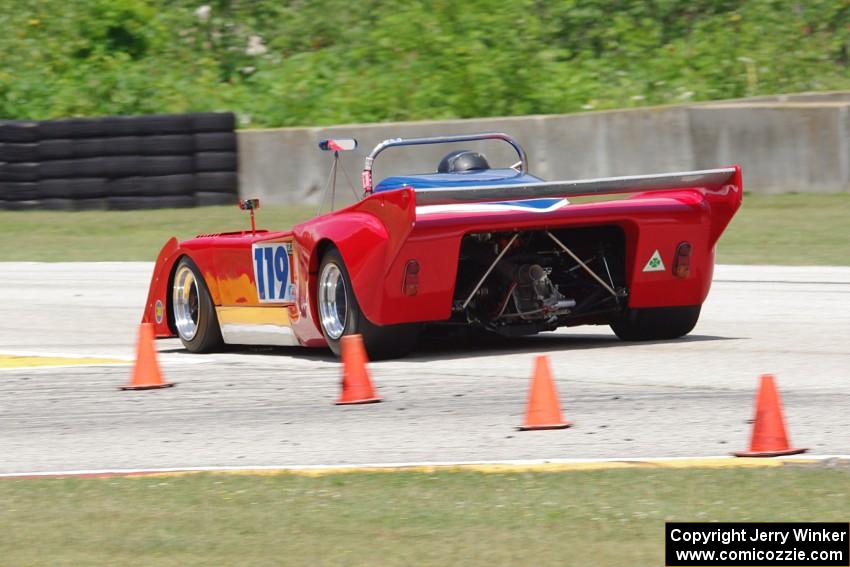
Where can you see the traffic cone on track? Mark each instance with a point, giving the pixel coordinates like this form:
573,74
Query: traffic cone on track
146,374
356,383
769,438
544,410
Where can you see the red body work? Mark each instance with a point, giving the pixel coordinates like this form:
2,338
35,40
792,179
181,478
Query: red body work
378,236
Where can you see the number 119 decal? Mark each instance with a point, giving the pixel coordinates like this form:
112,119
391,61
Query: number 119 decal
271,272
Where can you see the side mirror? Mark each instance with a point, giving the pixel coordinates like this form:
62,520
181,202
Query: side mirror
250,205
338,145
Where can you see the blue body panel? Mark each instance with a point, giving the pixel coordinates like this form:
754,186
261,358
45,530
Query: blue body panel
465,179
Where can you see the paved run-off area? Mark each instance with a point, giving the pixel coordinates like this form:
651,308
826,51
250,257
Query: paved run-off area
447,402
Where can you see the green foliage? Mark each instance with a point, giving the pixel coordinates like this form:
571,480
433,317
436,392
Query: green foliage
295,62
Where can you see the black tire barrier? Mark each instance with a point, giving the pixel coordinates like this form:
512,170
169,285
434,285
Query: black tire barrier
217,182
56,149
58,204
105,147
17,153
17,191
216,161
112,167
116,166
20,205
119,126
65,168
215,142
90,204
178,144
205,199
166,165
18,131
133,203
159,186
213,122
78,188
73,128
134,159
158,124
19,171
127,187
119,146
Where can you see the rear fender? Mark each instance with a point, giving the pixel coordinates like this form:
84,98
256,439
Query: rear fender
369,236
724,204
703,218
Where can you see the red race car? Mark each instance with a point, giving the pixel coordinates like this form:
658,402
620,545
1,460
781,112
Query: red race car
497,250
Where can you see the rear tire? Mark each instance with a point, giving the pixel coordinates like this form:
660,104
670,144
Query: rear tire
193,312
340,315
656,324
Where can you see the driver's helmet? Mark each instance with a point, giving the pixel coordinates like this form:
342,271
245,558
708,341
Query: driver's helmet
462,160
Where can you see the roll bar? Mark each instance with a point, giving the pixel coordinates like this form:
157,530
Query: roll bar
393,142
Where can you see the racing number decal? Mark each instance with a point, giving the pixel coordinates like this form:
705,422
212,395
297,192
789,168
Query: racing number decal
271,272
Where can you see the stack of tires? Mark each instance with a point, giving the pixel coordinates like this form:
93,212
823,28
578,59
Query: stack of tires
120,162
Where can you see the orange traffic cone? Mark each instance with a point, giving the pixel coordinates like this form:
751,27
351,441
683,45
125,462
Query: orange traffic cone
769,438
544,410
146,374
356,383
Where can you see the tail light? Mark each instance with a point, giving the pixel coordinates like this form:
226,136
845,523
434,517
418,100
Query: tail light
682,260
410,282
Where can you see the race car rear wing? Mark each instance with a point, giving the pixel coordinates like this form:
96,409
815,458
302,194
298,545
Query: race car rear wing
714,180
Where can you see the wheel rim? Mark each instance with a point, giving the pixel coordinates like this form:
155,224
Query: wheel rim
333,302
186,303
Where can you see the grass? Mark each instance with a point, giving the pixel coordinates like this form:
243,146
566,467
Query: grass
606,518
50,236
792,229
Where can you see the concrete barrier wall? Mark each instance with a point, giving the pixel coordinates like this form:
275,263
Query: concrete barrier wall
797,143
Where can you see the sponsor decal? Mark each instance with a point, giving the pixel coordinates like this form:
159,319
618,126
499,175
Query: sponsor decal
655,263
271,272
158,311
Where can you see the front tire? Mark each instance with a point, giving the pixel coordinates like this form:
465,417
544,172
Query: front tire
340,315
193,312
656,324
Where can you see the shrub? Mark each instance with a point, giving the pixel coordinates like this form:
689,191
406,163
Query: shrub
318,62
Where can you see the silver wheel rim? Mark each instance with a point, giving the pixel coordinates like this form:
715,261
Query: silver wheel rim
186,302
333,303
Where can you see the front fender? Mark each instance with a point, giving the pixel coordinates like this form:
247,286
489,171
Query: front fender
157,307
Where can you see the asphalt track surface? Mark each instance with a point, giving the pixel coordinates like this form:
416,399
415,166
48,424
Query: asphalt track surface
449,401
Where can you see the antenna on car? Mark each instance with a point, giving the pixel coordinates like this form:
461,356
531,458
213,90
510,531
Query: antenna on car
336,145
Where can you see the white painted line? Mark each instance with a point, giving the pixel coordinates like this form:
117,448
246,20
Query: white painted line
836,275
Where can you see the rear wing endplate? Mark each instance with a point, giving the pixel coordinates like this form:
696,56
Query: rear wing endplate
707,179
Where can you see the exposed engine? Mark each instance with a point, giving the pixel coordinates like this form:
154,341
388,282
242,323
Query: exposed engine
525,282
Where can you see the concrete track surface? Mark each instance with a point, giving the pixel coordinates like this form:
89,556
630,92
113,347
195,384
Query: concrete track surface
446,402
